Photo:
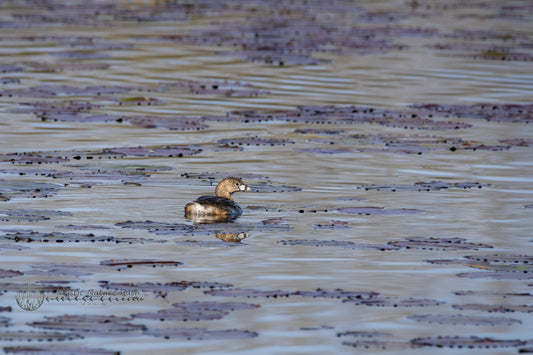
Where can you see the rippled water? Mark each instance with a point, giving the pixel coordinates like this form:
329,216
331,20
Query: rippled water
300,187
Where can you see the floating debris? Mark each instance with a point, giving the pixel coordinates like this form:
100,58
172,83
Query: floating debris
465,320
466,342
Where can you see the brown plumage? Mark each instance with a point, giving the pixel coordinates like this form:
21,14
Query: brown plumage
220,205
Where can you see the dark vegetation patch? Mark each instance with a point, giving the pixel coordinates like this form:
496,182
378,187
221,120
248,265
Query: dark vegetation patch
223,242
395,302
485,51
493,308
317,293
213,87
407,118
336,244
519,113
13,247
55,287
5,322
57,349
9,273
269,187
183,123
424,186
511,259
417,144
493,293
466,342
433,243
200,333
60,66
248,293
30,215
220,176
337,293
380,344
168,151
166,228
497,275
518,142
68,269
26,189
333,225
317,131
363,334
254,141
37,336
162,289
91,325
139,101
32,158
122,264
196,311
501,266
59,237
465,320
378,211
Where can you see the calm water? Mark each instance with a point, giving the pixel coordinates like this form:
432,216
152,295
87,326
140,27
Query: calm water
494,215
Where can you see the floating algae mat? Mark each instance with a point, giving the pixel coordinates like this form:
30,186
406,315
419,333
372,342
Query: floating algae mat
387,146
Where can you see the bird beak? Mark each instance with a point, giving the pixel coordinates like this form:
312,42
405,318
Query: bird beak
244,188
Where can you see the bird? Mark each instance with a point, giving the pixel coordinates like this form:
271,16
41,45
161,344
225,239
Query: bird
221,206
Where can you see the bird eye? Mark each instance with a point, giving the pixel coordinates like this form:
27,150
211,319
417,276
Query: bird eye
237,184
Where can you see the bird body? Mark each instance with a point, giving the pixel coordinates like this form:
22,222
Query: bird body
222,204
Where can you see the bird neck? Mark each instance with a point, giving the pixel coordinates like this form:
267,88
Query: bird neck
221,192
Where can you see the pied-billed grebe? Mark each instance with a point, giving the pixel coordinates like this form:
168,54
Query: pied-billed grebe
220,205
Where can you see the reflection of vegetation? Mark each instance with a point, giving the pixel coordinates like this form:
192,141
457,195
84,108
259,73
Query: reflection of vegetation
232,237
